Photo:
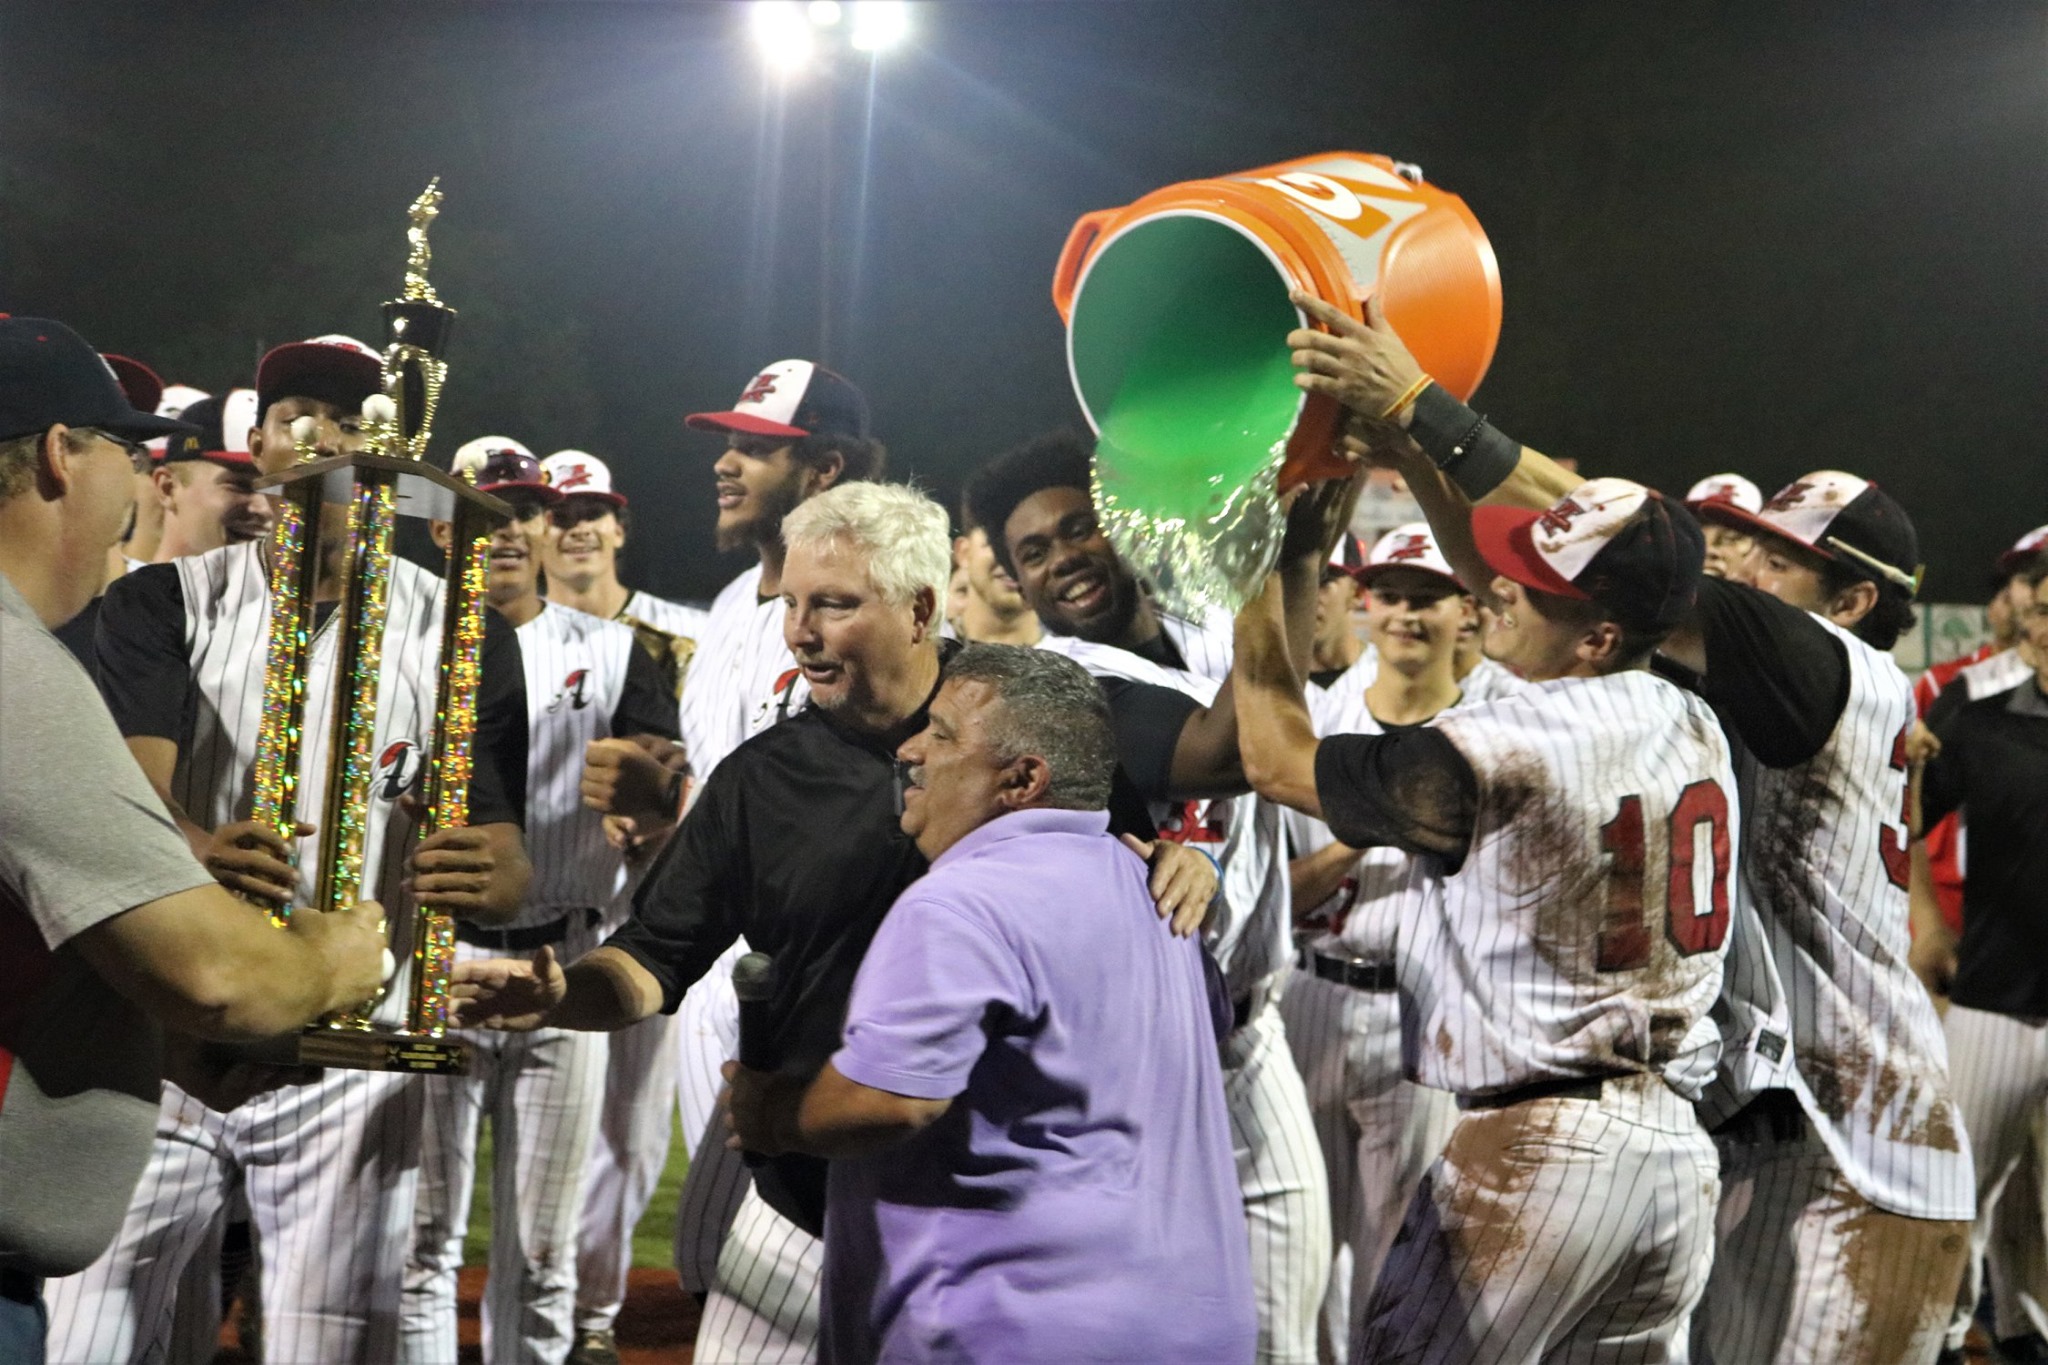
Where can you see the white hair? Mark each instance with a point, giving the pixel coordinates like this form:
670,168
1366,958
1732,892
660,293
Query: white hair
905,536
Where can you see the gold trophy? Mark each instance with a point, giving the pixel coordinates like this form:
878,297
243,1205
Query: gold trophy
388,480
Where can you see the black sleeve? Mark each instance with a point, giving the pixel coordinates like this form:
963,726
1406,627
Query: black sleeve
497,778
687,910
646,706
1148,721
142,667
1410,790
1775,674
1128,813
1943,780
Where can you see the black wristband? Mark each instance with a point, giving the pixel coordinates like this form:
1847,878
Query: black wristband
1462,443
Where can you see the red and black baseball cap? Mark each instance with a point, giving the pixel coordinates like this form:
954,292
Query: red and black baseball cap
501,464
50,376
215,417
1626,547
145,389
793,399
334,369
1839,517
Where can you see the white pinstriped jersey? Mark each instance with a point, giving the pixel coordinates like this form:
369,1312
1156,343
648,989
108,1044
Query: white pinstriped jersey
575,676
1823,898
1252,935
227,625
1486,681
1585,931
740,657
1365,910
1208,645
683,622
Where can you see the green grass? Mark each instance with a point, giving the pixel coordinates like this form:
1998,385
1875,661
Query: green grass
653,1239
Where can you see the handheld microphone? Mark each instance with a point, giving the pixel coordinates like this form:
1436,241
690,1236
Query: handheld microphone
753,981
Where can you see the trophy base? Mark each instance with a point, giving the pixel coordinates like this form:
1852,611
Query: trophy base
354,1050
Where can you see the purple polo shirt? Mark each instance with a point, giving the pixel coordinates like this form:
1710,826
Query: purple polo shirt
1079,1200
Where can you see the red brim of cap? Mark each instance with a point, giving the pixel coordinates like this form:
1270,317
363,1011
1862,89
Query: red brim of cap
743,422
1503,538
547,493
287,368
1728,514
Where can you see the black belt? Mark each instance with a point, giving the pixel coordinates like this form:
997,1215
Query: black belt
1583,1089
1773,1116
18,1286
514,940
1354,972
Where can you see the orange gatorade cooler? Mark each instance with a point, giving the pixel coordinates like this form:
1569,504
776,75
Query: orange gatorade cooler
1177,317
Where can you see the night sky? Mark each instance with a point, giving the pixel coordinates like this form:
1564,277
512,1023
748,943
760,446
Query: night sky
1771,238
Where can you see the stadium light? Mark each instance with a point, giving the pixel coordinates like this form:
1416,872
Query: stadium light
784,34
879,24
824,13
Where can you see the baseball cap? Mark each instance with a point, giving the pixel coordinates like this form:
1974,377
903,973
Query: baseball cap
50,376
1411,546
334,369
500,462
1729,488
144,389
212,418
1633,551
792,398
2023,549
578,473
1839,517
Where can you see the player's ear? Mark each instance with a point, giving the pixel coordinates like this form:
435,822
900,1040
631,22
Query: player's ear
824,472
1600,646
443,533
1853,603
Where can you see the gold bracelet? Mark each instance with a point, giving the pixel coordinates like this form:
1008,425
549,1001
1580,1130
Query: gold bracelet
1407,398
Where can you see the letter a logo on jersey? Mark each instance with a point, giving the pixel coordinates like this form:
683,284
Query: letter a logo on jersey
398,770
572,692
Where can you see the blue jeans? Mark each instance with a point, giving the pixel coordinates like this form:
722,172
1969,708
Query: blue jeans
23,1324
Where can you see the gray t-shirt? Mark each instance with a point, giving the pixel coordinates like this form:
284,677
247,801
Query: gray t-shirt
82,839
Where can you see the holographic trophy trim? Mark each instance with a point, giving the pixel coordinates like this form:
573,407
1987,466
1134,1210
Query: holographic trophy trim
462,639
1215,563
281,734
371,516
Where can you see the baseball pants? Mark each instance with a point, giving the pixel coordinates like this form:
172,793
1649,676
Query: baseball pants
2016,1256
1280,1174
763,1309
1378,1131
707,1035
626,1159
541,1091
1810,1270
1554,1229
329,1170
1998,1073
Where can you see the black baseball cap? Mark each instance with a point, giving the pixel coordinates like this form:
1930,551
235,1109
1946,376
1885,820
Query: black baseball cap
1626,547
50,376
1840,517
209,440
792,399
